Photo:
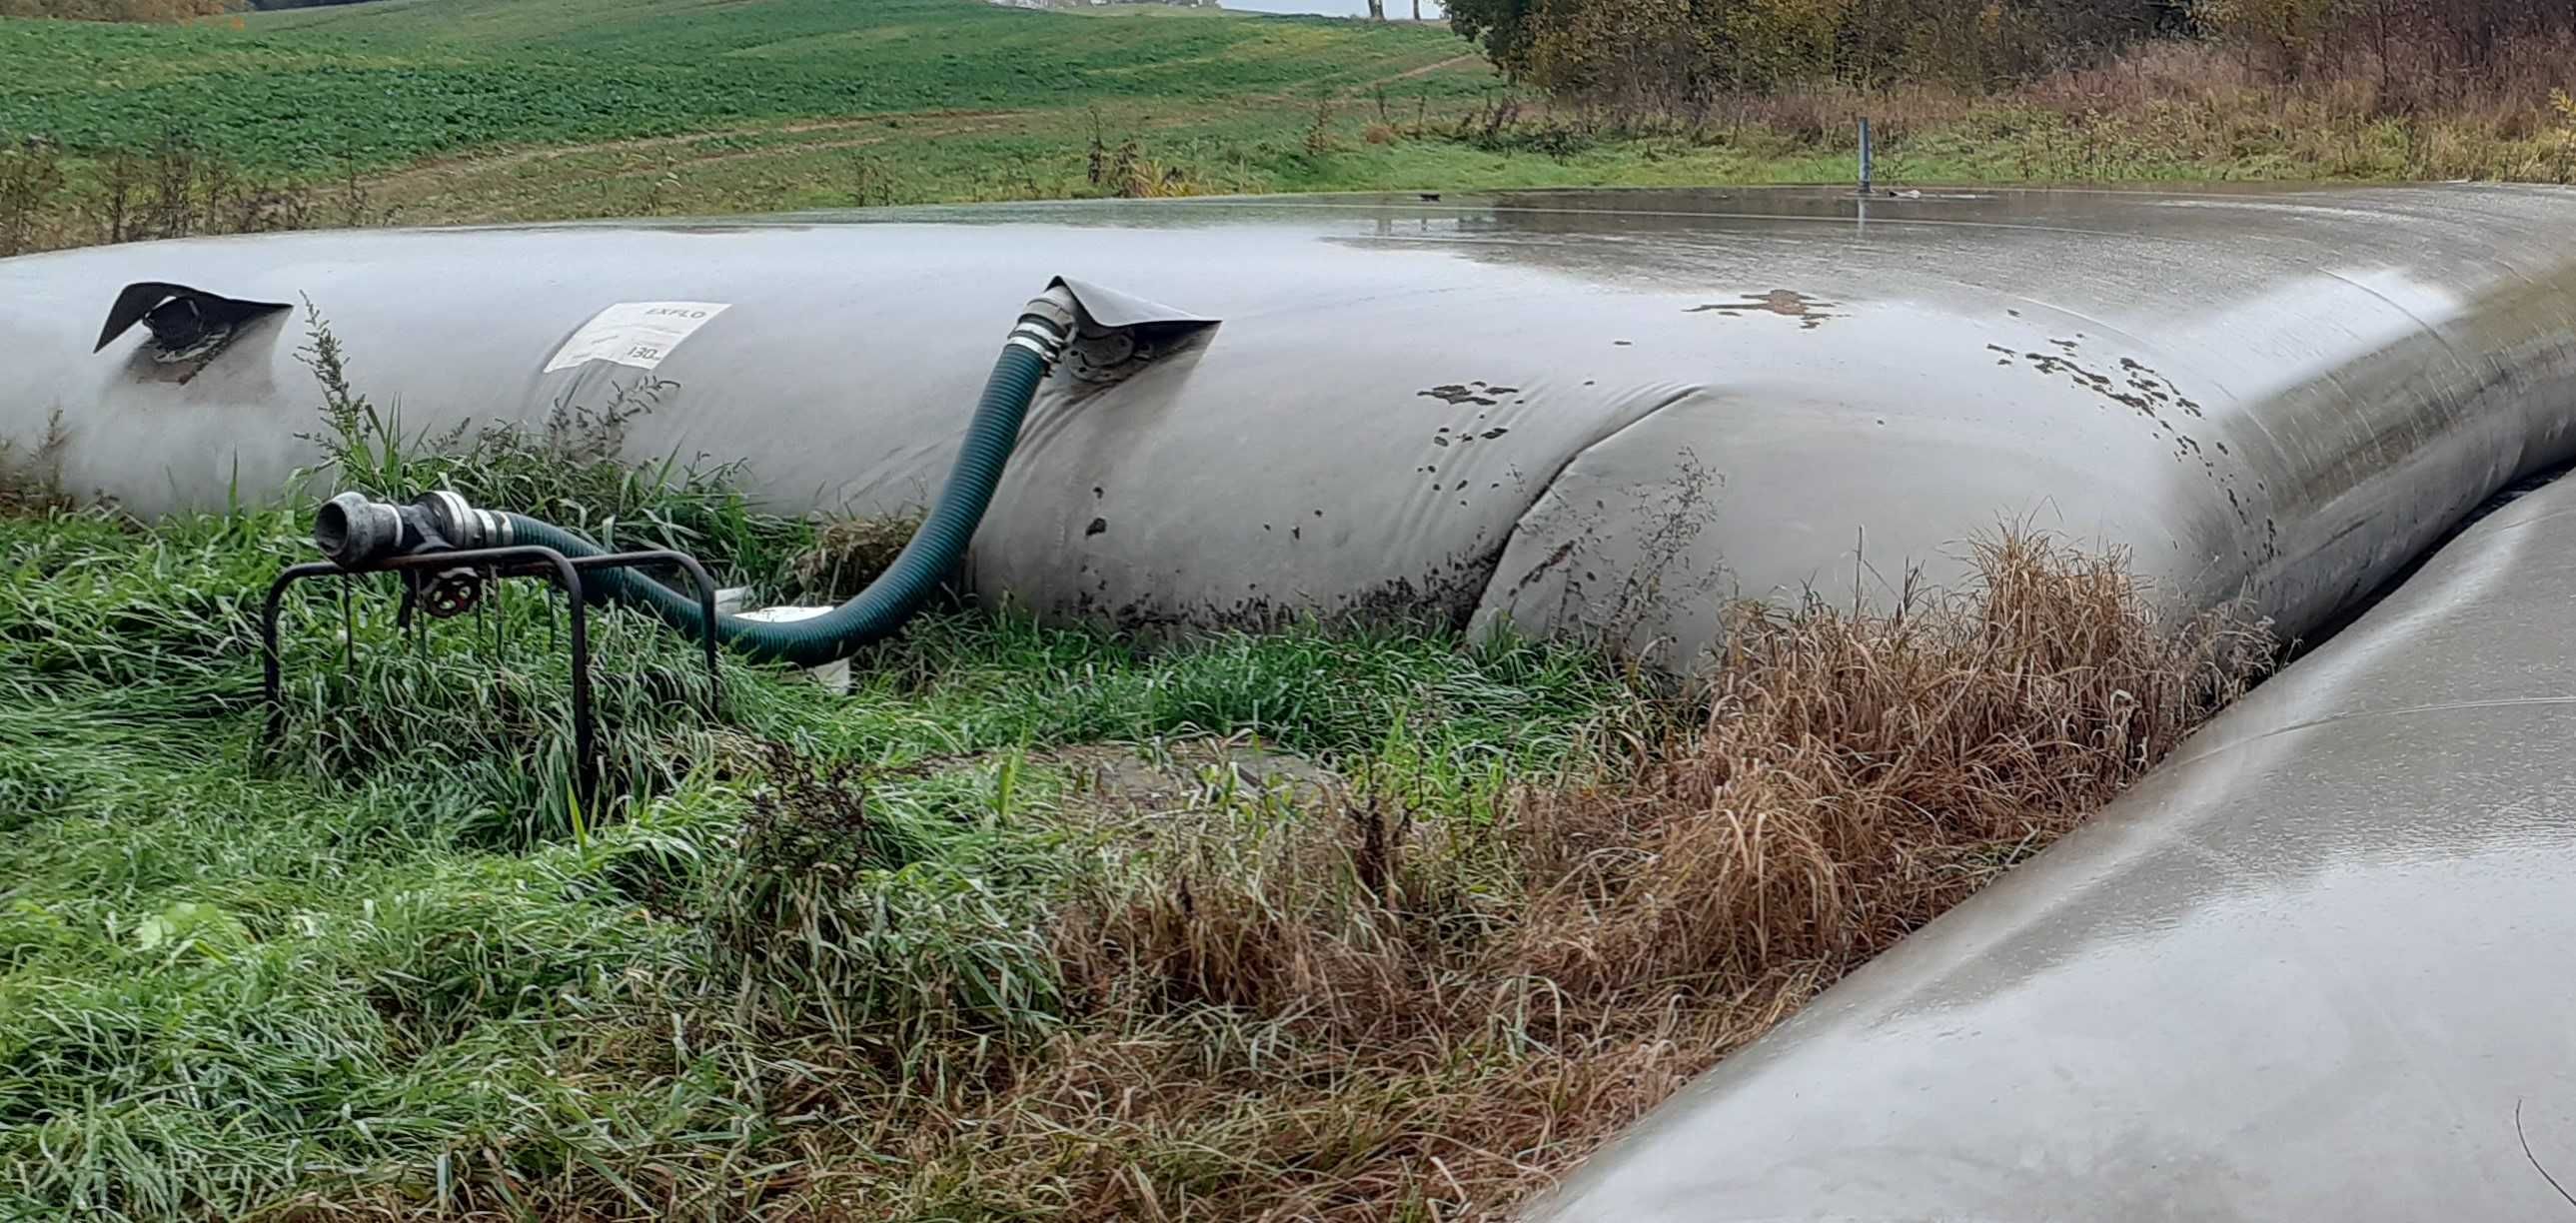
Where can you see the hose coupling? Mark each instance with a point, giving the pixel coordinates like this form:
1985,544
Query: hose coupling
353,529
1047,324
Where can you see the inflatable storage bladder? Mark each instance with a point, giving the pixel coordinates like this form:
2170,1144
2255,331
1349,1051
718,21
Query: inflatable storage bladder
1597,413
2310,968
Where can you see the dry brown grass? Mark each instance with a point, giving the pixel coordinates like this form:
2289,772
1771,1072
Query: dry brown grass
2169,110
2354,115
1349,1013
1859,773
849,553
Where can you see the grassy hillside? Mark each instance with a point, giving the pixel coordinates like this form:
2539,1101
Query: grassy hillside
428,111
391,82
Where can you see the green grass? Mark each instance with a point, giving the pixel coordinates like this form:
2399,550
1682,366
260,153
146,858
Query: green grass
387,83
390,962
391,957
895,954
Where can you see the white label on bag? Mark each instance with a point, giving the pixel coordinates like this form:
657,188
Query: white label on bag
634,333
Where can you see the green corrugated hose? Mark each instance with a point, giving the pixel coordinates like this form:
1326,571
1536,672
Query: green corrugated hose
934,551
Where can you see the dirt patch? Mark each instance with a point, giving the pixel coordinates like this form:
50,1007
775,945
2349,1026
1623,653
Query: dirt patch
1408,74
1138,786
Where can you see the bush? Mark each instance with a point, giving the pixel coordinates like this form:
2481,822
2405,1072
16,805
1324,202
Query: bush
1676,57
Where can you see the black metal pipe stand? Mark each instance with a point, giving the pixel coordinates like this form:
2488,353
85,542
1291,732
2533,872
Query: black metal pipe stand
487,563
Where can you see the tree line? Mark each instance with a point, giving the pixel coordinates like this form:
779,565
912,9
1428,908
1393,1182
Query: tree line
112,10
146,10
1667,53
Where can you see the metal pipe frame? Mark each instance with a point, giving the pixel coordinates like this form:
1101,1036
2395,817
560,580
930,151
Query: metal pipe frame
520,561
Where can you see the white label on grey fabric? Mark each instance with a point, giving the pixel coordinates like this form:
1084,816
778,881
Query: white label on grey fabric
634,333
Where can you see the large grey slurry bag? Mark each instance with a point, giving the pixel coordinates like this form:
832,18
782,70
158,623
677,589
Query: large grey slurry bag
2312,968
1582,412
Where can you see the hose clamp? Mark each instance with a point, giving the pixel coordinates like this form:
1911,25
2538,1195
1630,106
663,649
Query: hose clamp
462,525
1046,324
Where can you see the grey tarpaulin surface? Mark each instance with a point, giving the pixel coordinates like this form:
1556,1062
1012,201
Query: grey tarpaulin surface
1595,411
2312,968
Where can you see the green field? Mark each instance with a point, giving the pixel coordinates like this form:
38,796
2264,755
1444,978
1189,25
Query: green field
392,82
429,111
470,109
